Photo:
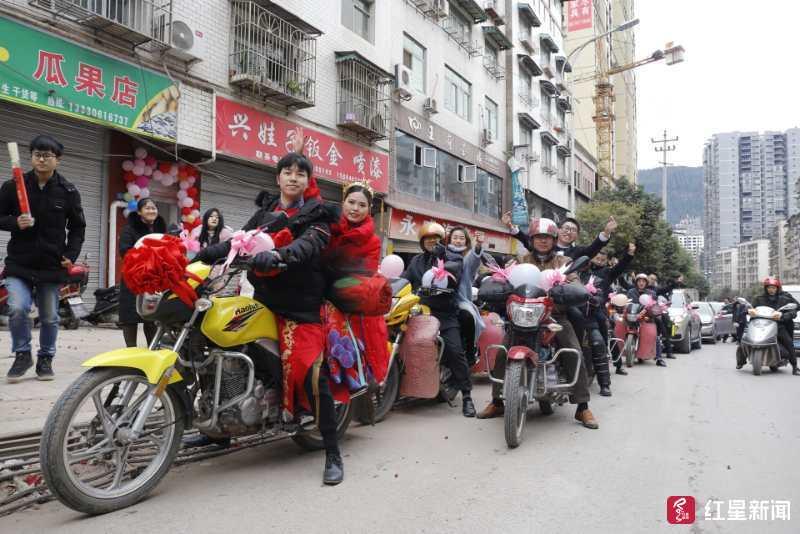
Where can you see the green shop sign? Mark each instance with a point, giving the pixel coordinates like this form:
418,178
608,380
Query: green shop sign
49,73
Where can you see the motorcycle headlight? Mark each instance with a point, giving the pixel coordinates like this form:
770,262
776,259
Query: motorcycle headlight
525,315
147,303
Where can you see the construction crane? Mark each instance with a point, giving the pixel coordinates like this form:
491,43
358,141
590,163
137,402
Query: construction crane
604,101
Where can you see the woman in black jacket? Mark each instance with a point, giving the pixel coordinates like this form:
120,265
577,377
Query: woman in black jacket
145,221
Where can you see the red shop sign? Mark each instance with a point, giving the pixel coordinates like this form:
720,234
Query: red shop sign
252,134
404,226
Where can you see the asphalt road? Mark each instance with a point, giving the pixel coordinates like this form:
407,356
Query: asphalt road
697,428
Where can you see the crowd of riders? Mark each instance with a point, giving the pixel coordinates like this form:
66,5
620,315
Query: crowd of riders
316,243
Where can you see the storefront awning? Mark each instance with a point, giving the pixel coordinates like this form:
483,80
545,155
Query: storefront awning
472,9
528,63
494,35
548,41
548,137
526,9
528,120
352,55
549,88
437,211
563,60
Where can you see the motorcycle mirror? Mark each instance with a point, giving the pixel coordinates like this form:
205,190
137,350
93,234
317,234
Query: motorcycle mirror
742,300
695,306
577,265
788,307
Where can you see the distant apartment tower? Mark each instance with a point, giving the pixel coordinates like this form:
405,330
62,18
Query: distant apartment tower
777,249
692,243
747,188
725,269
753,263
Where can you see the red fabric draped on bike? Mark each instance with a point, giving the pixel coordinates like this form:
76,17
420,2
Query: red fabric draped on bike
355,250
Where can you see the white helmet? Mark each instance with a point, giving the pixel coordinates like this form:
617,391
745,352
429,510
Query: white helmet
542,226
642,276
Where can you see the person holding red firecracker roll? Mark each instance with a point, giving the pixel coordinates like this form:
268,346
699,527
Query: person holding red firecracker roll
291,282
45,241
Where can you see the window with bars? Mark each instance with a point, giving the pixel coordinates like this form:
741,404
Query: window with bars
458,94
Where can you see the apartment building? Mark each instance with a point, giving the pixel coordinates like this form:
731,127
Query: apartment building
726,271
777,249
753,263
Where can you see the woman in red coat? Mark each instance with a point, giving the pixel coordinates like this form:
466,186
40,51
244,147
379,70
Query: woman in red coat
354,249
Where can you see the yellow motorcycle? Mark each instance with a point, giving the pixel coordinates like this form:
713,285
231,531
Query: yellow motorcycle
415,354
114,433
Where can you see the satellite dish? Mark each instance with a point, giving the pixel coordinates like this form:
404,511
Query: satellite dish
182,35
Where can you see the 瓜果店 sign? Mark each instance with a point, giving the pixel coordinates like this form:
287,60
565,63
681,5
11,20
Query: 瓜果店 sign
49,73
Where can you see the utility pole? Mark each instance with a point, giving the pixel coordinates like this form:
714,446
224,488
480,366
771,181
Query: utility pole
665,149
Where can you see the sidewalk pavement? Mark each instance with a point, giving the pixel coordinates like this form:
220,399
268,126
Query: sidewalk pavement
24,406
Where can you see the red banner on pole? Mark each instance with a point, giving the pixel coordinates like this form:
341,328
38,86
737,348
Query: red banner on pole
579,16
258,136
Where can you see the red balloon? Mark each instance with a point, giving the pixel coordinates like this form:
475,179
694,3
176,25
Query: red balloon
129,176
186,211
192,192
164,167
182,173
196,204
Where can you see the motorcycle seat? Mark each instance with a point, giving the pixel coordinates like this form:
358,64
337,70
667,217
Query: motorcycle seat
106,291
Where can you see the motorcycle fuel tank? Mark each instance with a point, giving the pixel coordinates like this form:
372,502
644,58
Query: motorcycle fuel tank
233,321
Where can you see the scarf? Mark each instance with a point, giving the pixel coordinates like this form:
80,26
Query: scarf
354,247
457,250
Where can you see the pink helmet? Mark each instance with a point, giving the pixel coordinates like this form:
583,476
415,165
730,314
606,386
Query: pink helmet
542,226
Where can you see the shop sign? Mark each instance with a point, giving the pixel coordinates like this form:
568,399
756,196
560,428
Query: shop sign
404,226
255,135
49,73
432,133
579,15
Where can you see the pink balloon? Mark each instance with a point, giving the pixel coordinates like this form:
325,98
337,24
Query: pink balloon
134,189
138,171
127,165
148,171
142,181
646,300
191,180
184,184
158,176
138,162
173,171
187,202
145,192
392,266
150,161
140,153
182,194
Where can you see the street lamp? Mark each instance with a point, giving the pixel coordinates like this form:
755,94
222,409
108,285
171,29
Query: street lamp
621,28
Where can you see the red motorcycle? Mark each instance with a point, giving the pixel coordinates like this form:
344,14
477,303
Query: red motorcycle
634,324
536,369
71,308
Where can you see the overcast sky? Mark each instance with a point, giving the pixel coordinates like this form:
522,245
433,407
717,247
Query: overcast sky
742,71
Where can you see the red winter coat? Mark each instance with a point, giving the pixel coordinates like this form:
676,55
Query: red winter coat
357,250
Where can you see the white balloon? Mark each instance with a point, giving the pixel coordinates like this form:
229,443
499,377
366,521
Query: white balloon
158,176
126,212
428,281
187,202
138,170
524,273
184,184
182,194
392,266
127,165
145,192
148,171
191,180
134,189
173,171
140,153
196,213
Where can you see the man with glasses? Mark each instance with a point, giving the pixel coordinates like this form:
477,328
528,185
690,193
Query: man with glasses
568,233
44,244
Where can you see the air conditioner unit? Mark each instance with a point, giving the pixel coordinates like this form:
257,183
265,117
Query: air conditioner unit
467,174
187,43
431,106
402,80
487,138
440,8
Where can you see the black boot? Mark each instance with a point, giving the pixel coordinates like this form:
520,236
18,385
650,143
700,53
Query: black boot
334,469
605,391
796,371
22,362
44,368
661,363
468,407
621,371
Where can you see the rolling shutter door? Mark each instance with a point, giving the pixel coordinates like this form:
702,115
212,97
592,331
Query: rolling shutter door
83,164
232,188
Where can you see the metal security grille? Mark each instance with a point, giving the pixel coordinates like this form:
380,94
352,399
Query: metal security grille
272,57
363,101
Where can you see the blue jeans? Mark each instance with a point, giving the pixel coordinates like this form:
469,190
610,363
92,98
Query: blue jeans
20,298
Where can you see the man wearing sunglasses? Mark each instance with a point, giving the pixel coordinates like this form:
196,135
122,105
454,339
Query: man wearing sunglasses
44,244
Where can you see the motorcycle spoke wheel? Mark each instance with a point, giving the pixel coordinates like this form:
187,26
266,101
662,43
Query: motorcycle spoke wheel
90,459
516,395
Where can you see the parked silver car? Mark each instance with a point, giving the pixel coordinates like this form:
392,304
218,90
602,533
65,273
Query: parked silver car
708,330
686,321
723,321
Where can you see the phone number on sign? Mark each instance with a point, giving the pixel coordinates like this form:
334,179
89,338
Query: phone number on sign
98,114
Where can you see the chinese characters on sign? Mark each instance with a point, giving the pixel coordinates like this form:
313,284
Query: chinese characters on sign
404,225
255,135
743,510
53,74
579,16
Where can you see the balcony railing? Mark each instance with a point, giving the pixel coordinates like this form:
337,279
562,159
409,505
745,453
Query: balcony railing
363,96
143,23
493,67
272,57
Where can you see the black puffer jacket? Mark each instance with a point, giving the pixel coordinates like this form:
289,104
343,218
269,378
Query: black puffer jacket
421,263
776,301
131,233
297,293
603,278
35,254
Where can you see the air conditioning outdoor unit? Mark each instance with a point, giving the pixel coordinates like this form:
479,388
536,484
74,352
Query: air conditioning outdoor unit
487,138
188,44
402,77
467,174
431,106
440,8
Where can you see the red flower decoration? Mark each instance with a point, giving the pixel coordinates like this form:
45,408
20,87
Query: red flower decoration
159,265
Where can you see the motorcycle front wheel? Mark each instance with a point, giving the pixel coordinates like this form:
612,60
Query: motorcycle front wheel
88,458
311,440
516,395
630,350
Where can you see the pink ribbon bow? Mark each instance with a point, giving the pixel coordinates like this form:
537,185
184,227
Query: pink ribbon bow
191,244
552,278
500,274
440,273
248,244
590,286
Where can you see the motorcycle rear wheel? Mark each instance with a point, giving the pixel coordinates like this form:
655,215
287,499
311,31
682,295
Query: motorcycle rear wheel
388,396
76,447
311,440
516,395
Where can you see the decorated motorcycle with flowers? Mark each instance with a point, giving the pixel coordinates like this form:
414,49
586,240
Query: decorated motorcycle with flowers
214,364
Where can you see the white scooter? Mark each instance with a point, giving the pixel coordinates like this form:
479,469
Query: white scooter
759,344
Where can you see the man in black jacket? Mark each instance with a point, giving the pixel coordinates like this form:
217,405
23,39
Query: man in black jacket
444,307
290,281
664,322
596,316
775,298
43,246
568,233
